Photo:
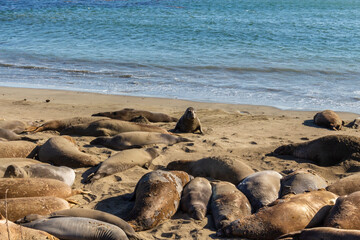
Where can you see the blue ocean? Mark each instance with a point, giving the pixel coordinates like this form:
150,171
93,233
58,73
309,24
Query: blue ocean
291,54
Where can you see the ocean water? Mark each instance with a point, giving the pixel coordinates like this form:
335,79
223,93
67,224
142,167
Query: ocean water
289,54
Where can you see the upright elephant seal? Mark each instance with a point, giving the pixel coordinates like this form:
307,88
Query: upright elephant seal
189,122
326,233
157,197
325,151
127,114
129,140
195,198
346,185
293,213
17,149
219,168
228,204
261,188
63,152
328,119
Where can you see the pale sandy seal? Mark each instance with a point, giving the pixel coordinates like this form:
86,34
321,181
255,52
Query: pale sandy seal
325,151
157,197
228,203
109,127
128,114
326,233
219,168
195,198
293,213
189,122
261,188
129,140
12,136
300,181
17,149
328,119
13,125
20,162
346,185
62,152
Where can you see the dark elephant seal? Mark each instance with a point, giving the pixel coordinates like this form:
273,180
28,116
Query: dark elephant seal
127,114
354,124
189,122
13,125
261,188
129,140
195,198
325,233
293,213
228,203
325,151
219,168
19,162
346,185
300,181
157,197
328,119
62,152
17,149
346,212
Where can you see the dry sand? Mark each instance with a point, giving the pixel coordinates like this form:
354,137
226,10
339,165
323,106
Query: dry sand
245,132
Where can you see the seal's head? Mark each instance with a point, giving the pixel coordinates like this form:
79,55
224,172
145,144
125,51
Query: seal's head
190,113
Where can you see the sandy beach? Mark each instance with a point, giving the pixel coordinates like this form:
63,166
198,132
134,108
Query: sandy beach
245,132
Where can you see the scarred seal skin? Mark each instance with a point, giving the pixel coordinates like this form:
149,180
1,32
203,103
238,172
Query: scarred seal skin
157,197
58,125
346,185
189,122
328,119
327,233
17,149
293,213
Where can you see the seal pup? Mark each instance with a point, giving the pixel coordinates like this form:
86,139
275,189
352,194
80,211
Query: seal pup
129,140
261,188
195,198
328,119
228,203
325,151
292,213
346,185
327,233
189,122
127,114
157,197
17,149
219,168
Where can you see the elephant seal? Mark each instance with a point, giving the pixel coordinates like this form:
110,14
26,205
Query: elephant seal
13,125
228,203
62,152
189,122
12,136
195,198
157,197
346,212
19,162
109,127
75,228
219,168
124,160
300,181
346,185
325,151
20,207
129,140
354,124
127,114
261,188
293,213
328,119
17,149
62,173
327,233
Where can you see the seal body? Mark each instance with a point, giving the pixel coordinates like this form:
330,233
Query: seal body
261,188
346,185
19,162
195,197
157,197
189,122
327,233
17,149
13,125
328,119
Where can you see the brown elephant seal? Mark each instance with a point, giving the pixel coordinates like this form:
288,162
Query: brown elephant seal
17,149
300,181
228,203
345,213
157,197
62,173
195,198
20,207
129,140
19,162
128,114
325,151
346,185
62,152
293,213
219,168
261,188
13,125
328,119
354,124
109,127
189,122
124,160
326,233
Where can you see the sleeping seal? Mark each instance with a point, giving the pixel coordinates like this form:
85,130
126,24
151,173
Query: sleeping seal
328,119
17,149
346,185
327,233
189,122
